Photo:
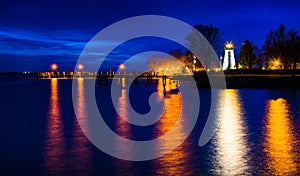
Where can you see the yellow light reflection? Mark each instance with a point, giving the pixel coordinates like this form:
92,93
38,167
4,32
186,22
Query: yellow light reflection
172,107
176,162
279,138
231,144
123,82
55,151
123,129
81,148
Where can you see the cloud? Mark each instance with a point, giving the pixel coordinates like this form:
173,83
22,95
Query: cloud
33,43
29,49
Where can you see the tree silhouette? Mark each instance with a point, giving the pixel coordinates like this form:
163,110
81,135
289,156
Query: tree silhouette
247,58
283,45
261,61
186,58
294,47
213,36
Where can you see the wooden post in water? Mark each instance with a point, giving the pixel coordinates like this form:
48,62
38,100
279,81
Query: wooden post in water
164,79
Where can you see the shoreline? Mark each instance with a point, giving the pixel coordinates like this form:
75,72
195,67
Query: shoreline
234,78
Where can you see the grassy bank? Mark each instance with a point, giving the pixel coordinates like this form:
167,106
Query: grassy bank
253,78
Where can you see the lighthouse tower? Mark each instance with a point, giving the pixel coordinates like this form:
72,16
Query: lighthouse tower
229,60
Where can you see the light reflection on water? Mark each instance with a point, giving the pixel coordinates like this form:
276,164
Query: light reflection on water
176,162
81,149
279,138
123,129
55,147
230,140
231,146
60,160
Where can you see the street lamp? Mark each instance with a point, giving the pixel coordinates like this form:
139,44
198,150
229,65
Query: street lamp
221,59
122,67
194,63
80,68
54,67
277,64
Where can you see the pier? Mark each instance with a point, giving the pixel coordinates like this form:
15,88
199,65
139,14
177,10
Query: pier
234,78
103,77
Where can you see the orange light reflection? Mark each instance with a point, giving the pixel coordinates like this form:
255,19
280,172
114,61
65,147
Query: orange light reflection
123,129
176,162
55,149
279,138
81,148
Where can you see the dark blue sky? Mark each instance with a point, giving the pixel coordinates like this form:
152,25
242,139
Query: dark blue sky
34,34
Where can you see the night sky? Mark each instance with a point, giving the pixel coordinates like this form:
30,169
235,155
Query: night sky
34,34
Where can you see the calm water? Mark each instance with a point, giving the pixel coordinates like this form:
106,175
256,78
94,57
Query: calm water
258,132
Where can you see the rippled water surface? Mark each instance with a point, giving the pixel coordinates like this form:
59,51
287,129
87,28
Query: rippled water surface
257,131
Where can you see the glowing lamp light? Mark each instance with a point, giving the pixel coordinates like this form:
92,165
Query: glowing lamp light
229,45
122,66
275,64
54,67
80,66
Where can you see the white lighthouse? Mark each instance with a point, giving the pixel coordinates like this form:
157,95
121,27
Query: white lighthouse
229,60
